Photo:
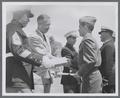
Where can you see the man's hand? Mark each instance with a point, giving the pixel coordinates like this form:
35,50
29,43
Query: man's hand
68,64
77,77
65,62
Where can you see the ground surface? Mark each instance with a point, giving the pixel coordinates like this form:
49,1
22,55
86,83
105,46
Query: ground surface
55,88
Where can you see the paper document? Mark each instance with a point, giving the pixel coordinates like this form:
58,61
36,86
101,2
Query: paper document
51,62
57,60
61,73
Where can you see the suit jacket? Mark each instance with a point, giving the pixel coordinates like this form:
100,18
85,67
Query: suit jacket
108,61
89,55
42,46
69,52
18,45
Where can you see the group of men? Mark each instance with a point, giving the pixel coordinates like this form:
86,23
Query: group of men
24,54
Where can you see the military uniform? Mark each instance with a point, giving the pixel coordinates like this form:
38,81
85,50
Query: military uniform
107,67
19,51
89,60
69,81
70,84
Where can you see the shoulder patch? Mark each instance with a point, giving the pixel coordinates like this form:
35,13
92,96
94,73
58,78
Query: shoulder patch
16,39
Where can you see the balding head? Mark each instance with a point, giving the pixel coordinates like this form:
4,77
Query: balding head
43,17
43,23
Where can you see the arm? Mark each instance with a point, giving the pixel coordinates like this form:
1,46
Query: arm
40,48
24,51
73,56
38,45
66,53
89,57
74,61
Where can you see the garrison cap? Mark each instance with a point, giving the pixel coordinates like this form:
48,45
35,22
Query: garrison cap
18,14
71,33
106,29
88,19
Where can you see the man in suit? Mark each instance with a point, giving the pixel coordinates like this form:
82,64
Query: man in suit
70,84
107,67
19,55
41,45
89,57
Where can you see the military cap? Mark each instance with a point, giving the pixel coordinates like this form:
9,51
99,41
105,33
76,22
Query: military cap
88,19
18,14
105,29
71,33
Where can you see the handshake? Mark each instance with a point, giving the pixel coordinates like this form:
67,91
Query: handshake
51,61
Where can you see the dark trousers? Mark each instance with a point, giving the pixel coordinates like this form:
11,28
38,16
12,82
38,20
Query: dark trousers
18,88
74,88
17,77
108,89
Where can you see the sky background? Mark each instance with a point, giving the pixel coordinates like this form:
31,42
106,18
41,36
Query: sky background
65,17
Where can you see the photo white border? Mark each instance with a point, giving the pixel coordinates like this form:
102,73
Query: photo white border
5,4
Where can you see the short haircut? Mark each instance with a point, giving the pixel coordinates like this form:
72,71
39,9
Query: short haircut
90,27
42,17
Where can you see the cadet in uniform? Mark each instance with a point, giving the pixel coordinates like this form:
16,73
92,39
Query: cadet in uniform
89,57
19,76
107,67
70,84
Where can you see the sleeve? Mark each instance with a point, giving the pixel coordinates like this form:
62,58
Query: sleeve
66,53
37,45
74,61
89,57
24,51
109,55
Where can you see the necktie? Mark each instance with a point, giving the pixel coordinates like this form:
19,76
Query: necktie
44,37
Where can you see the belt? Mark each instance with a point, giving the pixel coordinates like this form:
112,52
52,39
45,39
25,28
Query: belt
92,70
9,55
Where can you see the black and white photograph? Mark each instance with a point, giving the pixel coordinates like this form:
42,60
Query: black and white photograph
59,48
